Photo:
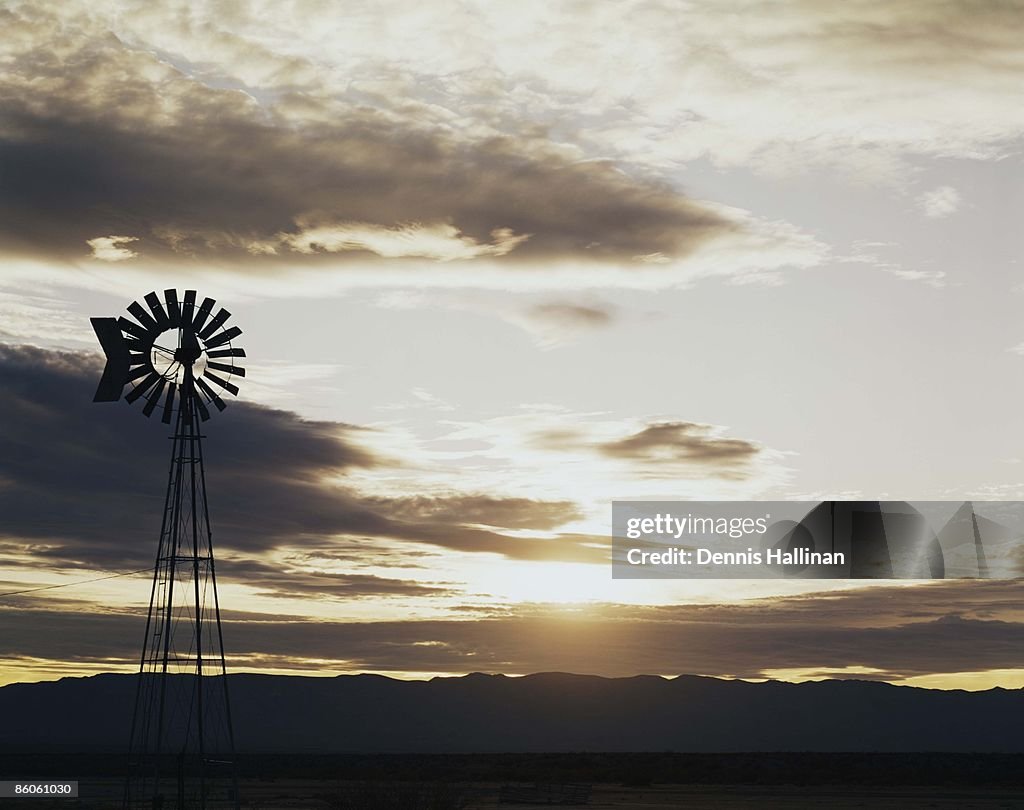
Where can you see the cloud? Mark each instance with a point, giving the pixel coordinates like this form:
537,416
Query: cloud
289,582
36,315
110,248
863,88
81,482
662,446
554,323
552,320
213,171
512,513
867,253
103,134
940,202
782,87
680,441
571,313
84,496
441,242
586,457
938,628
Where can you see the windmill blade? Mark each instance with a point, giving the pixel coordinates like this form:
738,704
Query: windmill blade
204,414
210,395
157,308
227,353
203,313
133,328
115,372
141,371
169,404
188,307
227,369
143,317
223,337
173,308
154,398
142,387
230,387
215,324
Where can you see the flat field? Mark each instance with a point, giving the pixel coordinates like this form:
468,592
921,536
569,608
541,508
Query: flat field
291,794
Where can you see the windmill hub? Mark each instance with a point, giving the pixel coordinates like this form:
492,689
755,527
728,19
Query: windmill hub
187,355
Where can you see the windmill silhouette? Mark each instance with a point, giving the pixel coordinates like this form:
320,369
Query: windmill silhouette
177,356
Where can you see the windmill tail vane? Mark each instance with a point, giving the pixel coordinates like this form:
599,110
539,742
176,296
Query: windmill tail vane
178,358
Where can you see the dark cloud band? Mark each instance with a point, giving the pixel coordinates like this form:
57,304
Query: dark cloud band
83,483
118,144
938,628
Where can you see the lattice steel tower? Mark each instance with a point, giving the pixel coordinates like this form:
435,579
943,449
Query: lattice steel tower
175,356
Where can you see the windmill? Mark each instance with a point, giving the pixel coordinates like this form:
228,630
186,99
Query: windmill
178,358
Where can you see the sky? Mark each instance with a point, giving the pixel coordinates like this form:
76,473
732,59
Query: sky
496,266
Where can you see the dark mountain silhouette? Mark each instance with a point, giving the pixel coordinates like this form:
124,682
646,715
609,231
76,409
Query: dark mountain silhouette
546,712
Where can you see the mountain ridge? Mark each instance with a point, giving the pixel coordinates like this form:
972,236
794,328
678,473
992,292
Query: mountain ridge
549,711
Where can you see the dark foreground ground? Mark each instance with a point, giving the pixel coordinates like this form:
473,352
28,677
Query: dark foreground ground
293,794
653,781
